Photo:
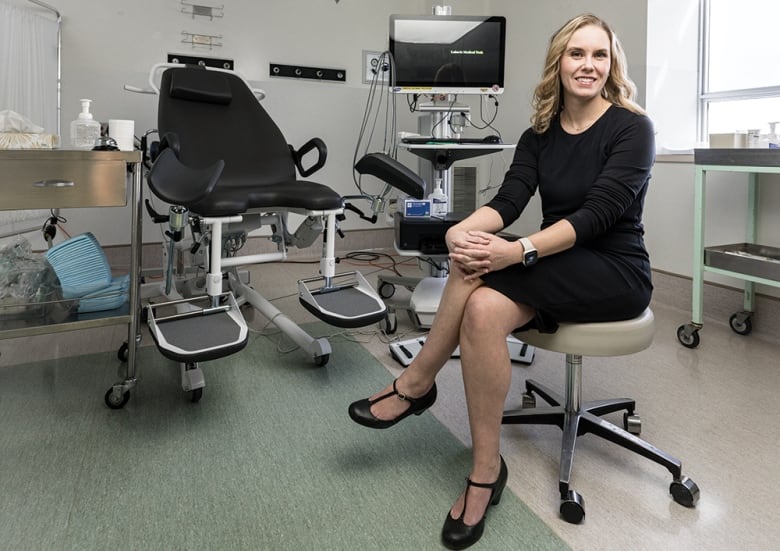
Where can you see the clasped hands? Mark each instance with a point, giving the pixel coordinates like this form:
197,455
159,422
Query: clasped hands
475,253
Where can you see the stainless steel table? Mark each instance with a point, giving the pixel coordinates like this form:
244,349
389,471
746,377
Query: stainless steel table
60,178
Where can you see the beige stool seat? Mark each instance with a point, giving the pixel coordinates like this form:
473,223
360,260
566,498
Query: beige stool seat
575,418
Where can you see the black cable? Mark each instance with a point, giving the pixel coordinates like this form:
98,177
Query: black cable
380,99
487,124
371,257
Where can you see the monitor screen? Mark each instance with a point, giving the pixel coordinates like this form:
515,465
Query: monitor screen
448,54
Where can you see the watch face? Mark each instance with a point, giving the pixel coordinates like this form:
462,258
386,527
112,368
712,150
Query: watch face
530,258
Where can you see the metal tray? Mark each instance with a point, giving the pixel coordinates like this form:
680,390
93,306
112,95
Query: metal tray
746,258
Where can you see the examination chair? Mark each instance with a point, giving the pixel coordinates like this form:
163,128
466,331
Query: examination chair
225,169
575,417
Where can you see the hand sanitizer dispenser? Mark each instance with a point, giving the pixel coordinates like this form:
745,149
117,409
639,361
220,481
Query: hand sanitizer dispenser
84,131
439,201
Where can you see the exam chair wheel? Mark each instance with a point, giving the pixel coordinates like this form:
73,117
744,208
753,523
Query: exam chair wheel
390,323
386,290
688,340
743,327
320,361
685,492
572,507
113,401
196,394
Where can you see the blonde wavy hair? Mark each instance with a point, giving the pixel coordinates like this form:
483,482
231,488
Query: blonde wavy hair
548,95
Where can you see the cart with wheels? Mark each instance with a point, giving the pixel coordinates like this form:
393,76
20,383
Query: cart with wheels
749,261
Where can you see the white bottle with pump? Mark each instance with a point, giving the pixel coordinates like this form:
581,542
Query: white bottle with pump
440,204
85,130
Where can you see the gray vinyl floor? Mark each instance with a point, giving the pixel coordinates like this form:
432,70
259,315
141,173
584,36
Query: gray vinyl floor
714,407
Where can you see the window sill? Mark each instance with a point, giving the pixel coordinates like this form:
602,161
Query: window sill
680,158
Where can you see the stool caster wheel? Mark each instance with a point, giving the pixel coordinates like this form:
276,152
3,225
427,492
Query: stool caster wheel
573,507
529,400
632,423
685,492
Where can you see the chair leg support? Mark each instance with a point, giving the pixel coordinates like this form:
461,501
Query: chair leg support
317,349
569,441
576,418
617,435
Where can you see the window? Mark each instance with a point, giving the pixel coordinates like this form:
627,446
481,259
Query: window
739,72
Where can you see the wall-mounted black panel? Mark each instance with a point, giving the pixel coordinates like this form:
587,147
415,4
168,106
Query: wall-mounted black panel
219,63
314,73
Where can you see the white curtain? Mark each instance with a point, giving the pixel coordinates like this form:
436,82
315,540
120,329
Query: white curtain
29,63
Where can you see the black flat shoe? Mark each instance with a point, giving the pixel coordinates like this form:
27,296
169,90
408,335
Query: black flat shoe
360,411
456,534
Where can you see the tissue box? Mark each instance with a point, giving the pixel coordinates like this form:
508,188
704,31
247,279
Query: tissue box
28,140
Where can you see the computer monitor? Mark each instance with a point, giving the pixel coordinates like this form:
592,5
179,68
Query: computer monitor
448,54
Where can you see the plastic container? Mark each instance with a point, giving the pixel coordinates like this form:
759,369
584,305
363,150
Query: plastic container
440,204
85,130
754,138
773,139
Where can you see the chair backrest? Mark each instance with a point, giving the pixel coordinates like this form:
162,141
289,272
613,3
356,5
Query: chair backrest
217,117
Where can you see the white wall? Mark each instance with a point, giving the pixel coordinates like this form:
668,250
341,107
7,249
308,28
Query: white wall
107,44
110,43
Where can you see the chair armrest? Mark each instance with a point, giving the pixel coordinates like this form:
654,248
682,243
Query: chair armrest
392,172
177,184
322,155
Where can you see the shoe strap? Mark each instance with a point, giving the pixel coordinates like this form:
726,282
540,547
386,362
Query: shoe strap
489,486
401,396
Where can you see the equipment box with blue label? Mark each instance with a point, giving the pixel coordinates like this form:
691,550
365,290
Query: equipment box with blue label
417,207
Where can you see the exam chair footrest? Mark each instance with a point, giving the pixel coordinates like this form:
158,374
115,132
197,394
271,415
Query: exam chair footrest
199,333
348,302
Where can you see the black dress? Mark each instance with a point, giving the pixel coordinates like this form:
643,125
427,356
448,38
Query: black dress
597,180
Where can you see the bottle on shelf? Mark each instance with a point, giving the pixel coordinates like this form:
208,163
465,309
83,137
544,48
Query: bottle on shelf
85,130
440,205
772,139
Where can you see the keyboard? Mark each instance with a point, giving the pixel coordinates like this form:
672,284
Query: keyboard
423,140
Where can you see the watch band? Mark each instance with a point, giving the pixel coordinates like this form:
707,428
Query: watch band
529,252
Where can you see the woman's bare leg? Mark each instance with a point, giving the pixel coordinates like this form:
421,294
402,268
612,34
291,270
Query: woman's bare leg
489,317
440,343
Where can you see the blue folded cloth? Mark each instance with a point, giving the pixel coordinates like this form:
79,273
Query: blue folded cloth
108,298
84,273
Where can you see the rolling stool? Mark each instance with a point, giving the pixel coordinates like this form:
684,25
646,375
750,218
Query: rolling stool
575,418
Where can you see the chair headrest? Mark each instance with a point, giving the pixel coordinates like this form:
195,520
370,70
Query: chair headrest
200,84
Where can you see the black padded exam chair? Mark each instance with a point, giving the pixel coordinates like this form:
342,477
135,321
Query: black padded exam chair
226,169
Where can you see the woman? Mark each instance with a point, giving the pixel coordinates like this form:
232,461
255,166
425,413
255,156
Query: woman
589,153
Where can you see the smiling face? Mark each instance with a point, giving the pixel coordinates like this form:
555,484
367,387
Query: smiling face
585,64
